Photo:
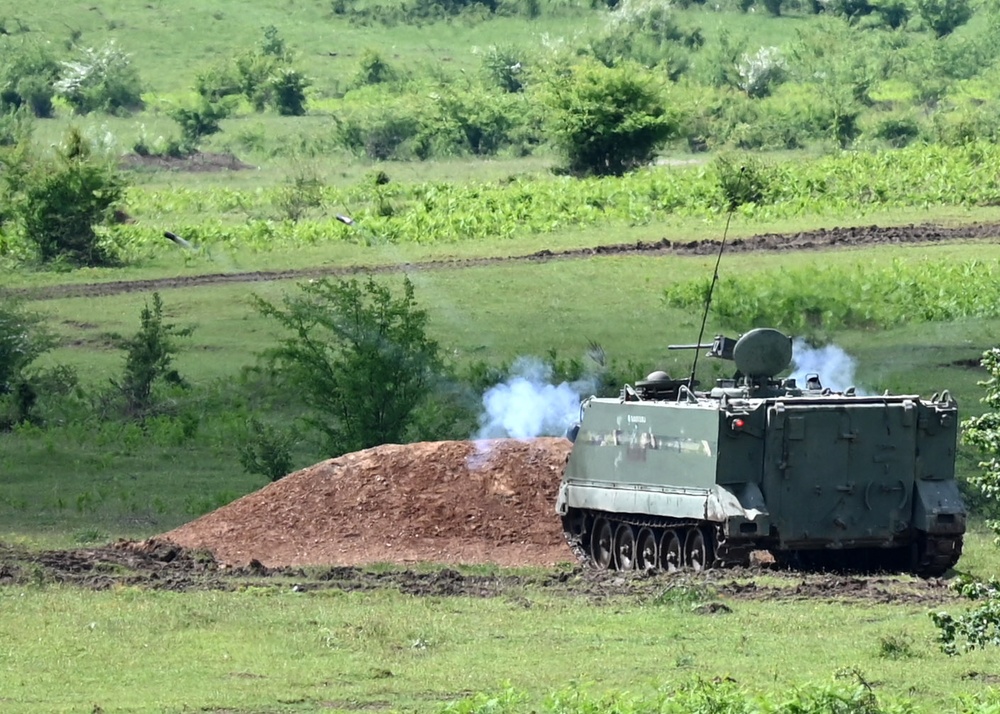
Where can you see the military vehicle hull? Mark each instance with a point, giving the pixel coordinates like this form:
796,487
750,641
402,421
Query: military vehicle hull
676,479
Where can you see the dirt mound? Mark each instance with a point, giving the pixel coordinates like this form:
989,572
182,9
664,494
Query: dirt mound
199,161
445,502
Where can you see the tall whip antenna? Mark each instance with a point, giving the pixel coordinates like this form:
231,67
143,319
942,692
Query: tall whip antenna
715,275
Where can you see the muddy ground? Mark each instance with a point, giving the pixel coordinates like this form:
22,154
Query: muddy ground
821,239
159,565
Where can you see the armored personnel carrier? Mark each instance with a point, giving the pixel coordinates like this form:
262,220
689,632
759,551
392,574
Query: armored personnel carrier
667,476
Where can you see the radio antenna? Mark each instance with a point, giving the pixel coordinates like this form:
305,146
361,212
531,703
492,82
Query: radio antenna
715,276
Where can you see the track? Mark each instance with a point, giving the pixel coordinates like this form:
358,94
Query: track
821,239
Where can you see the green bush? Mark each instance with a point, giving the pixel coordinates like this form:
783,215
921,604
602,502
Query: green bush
28,71
472,121
608,121
894,13
58,203
761,72
373,69
358,356
265,450
263,75
979,627
198,122
381,135
982,432
942,17
743,179
23,339
851,10
504,67
648,33
15,126
101,80
287,89
897,131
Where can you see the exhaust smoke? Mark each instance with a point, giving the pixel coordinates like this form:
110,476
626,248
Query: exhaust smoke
833,365
528,404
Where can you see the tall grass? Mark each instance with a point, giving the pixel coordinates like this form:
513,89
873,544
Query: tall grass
823,298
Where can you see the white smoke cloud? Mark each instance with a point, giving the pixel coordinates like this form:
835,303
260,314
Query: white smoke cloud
528,404
833,365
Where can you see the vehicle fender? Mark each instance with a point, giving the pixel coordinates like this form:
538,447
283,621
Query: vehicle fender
938,507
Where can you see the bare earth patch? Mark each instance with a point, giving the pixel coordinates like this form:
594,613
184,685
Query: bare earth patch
197,162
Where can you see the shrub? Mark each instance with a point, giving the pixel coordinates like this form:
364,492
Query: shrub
262,74
982,432
894,13
198,122
607,121
897,131
504,67
15,126
27,74
742,179
148,361
358,356
373,69
22,340
850,10
389,134
58,203
473,121
266,450
761,72
101,80
646,32
287,89
942,17
976,628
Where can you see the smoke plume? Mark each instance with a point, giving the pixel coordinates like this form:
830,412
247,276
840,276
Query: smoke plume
528,404
834,366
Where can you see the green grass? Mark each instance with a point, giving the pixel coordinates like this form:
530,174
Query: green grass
124,481
269,649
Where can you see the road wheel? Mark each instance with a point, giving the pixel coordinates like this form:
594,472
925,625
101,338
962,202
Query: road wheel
600,544
671,554
696,550
625,547
646,553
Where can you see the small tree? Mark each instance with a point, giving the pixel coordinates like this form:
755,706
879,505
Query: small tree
608,120
358,356
149,360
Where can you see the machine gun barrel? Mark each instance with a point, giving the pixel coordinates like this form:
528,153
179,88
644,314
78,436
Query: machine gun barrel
722,347
689,347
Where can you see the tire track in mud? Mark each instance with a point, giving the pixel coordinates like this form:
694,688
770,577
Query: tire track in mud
820,239
157,564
